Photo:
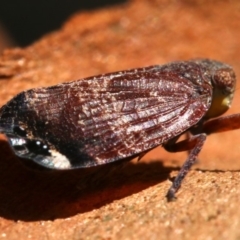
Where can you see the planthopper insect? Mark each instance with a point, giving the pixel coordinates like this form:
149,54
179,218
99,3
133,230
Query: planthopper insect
116,116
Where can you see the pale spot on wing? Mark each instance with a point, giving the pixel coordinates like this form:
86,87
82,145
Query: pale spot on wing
57,160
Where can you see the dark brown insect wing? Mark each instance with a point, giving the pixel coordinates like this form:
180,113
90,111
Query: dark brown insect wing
109,117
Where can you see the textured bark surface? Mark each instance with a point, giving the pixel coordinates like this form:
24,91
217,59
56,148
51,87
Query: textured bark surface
129,202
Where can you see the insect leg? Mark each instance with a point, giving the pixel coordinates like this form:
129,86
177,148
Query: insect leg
222,124
173,146
195,143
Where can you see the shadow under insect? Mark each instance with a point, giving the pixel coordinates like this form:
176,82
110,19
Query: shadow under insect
29,194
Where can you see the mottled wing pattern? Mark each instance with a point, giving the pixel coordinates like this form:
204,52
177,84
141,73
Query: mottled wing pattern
101,119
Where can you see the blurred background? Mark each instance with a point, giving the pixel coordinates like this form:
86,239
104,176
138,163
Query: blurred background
23,22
